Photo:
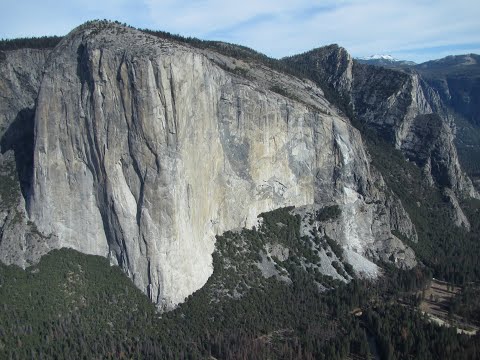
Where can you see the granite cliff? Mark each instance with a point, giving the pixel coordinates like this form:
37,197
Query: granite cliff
146,148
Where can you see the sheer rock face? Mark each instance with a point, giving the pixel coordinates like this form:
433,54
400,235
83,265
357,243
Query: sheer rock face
399,106
145,149
20,77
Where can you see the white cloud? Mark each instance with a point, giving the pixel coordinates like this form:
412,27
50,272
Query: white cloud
362,26
206,16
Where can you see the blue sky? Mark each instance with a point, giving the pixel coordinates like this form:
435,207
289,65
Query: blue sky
417,30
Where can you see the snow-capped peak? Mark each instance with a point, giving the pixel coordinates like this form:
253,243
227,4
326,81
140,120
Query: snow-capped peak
379,57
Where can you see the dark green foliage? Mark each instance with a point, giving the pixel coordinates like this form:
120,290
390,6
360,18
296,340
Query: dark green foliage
238,254
9,185
280,90
70,305
329,213
91,309
450,251
467,142
405,334
281,226
44,42
77,306
467,305
336,248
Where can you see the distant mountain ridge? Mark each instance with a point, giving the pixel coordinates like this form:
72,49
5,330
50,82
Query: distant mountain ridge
452,60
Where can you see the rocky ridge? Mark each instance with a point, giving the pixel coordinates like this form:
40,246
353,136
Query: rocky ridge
398,106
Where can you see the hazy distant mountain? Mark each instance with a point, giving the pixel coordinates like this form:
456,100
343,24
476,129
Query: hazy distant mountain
452,64
384,60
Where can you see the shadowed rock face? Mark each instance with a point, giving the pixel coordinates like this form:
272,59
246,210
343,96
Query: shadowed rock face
457,80
145,149
20,78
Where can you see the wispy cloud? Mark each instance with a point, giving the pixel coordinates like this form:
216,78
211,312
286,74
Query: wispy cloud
204,17
363,27
419,29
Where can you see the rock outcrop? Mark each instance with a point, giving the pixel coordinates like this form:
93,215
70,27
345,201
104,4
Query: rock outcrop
146,148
